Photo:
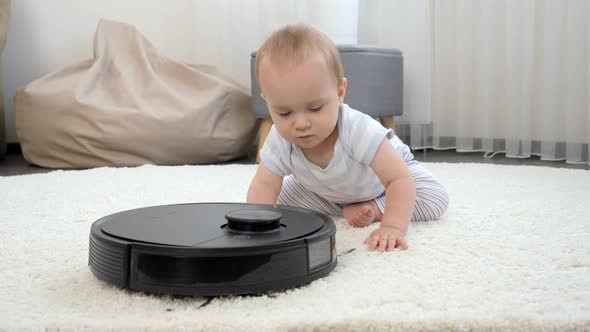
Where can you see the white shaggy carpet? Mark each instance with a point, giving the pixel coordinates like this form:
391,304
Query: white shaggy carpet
512,253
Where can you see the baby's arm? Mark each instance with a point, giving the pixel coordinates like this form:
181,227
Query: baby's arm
265,187
400,197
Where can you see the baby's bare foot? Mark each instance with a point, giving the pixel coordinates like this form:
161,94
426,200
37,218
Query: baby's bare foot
359,214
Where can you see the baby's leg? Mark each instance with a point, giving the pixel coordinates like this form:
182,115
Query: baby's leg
358,215
293,194
432,198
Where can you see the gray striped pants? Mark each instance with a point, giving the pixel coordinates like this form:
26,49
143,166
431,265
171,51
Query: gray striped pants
432,198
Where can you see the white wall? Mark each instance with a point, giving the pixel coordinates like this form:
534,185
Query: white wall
47,35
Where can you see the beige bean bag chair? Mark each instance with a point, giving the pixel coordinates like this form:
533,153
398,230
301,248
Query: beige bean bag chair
130,105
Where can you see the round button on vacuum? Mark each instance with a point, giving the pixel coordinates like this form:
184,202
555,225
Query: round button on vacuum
253,220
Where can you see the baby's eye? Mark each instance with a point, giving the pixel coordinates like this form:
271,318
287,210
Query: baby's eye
317,109
285,114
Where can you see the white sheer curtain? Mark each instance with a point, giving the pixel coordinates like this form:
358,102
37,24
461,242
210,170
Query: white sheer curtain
504,76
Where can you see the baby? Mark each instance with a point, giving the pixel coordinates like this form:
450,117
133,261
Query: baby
323,155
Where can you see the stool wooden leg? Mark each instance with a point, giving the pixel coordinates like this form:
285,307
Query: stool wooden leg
388,122
262,134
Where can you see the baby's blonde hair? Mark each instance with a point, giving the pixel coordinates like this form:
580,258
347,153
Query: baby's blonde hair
294,43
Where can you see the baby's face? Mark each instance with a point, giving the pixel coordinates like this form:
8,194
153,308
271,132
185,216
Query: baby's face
303,100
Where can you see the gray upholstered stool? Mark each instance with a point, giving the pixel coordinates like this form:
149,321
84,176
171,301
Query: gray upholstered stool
375,85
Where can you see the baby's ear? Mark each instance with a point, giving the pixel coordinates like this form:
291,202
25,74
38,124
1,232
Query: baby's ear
342,89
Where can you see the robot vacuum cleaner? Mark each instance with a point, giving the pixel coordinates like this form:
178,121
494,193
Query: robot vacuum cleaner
210,249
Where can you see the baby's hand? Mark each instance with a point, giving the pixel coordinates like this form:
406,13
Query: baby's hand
386,238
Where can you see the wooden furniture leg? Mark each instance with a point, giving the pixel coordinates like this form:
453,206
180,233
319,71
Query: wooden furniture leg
262,134
388,122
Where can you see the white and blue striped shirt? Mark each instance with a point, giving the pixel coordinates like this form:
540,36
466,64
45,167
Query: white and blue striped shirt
348,177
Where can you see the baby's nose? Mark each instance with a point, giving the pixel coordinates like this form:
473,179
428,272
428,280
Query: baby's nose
302,122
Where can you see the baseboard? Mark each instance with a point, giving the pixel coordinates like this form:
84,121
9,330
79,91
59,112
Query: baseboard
13,148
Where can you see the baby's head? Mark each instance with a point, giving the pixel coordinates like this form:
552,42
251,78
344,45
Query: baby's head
293,44
301,79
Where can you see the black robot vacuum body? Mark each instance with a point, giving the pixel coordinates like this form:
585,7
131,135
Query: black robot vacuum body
208,249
